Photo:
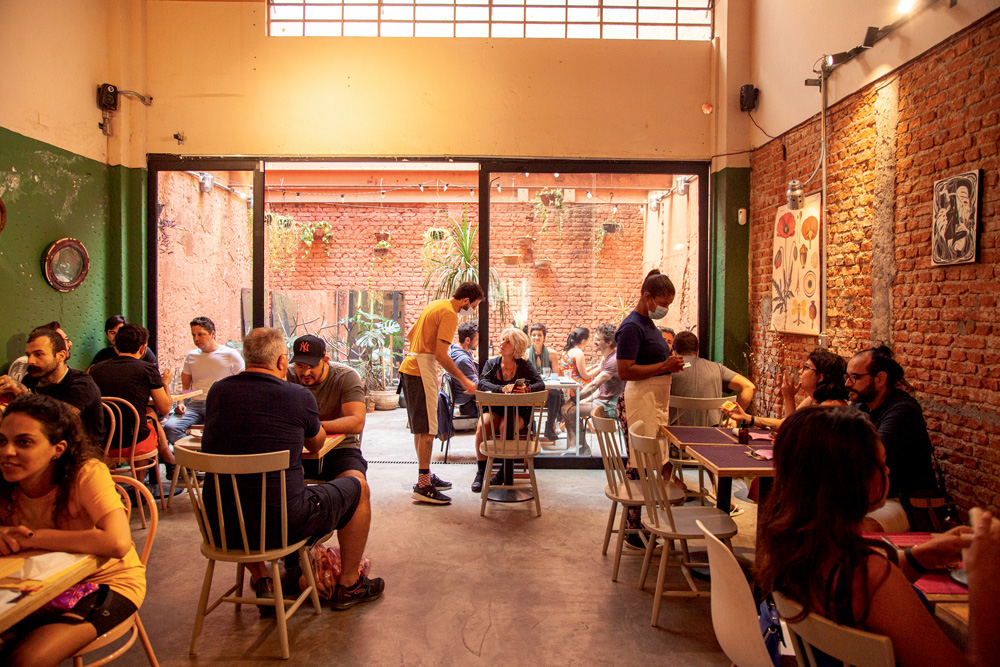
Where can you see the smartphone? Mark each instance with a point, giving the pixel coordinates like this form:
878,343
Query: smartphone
728,405
520,382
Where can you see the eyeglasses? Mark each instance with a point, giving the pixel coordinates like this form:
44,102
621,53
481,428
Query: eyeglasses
806,367
854,377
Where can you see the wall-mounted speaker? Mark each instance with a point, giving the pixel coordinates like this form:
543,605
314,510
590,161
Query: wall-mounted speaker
107,97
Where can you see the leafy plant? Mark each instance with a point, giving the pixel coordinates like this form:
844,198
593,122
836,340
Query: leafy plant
383,245
281,234
375,338
307,234
432,234
617,309
546,198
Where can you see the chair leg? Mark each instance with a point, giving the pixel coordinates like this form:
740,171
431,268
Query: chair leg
486,485
159,482
534,485
650,548
144,638
661,577
279,610
142,511
241,569
608,530
199,618
620,542
307,570
173,484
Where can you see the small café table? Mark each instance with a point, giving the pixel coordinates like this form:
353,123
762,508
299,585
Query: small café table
555,382
726,462
186,394
41,592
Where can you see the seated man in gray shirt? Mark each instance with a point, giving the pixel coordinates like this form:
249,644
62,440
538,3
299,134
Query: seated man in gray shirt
701,378
340,397
461,354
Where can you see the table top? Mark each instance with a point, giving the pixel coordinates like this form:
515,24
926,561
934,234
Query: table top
332,440
46,590
955,614
682,436
731,460
186,394
560,383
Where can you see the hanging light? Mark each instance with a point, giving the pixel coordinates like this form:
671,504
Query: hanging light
589,195
445,189
421,187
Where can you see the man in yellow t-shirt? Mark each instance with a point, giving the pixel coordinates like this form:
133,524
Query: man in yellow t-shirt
420,376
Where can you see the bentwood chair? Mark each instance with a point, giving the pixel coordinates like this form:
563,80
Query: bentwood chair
119,451
509,442
226,475
813,633
133,625
620,489
734,614
672,524
702,406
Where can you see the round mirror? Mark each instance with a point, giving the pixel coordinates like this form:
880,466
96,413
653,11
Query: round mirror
66,263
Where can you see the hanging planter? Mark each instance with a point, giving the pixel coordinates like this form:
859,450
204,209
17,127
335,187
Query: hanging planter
381,236
545,198
382,248
511,259
611,227
545,263
525,241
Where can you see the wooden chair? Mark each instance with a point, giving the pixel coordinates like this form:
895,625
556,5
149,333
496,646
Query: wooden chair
684,460
815,633
671,524
734,614
620,489
521,444
119,450
133,625
220,471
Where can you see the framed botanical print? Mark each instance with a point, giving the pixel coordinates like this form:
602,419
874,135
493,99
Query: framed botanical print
797,279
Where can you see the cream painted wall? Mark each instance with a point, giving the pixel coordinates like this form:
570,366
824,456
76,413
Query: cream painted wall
55,54
732,70
231,90
789,37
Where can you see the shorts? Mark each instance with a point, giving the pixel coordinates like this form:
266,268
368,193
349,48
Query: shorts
145,446
331,506
336,462
416,403
104,609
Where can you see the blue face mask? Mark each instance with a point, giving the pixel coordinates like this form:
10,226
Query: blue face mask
659,313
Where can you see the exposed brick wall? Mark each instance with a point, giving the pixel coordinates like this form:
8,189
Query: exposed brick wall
943,319
578,290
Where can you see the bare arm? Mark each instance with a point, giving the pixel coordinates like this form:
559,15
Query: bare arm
353,420
315,443
594,385
788,390
629,371
110,538
744,388
443,358
161,400
576,355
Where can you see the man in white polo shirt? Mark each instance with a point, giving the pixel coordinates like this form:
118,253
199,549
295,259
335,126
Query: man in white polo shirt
203,366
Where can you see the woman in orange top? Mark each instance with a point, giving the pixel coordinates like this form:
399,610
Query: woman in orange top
56,496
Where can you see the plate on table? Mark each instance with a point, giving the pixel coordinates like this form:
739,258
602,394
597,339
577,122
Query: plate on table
960,575
196,432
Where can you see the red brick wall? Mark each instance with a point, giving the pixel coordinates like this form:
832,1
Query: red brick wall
576,291
944,319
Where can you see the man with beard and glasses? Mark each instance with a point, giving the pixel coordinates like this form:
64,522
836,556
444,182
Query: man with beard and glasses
48,374
19,367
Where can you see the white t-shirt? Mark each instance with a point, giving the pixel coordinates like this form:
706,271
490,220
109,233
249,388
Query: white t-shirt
205,368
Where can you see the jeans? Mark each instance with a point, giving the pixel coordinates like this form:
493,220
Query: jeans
177,425
553,406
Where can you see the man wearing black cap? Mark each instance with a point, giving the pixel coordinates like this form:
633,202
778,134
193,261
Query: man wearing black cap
340,397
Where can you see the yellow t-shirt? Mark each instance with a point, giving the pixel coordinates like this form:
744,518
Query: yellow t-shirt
92,496
438,321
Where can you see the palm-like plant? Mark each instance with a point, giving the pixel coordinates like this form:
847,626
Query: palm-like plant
376,338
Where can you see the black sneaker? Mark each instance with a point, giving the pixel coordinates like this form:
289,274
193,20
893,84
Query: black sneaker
439,483
633,541
364,590
429,494
477,483
263,589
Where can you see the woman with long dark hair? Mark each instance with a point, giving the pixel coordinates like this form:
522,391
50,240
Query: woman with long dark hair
829,473
821,380
573,359
57,496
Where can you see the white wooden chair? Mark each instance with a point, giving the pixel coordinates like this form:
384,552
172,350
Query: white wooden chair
521,444
119,449
224,472
684,460
672,524
813,632
734,614
133,625
621,490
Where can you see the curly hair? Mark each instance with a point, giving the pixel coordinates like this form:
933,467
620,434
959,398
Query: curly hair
58,423
607,332
810,546
832,367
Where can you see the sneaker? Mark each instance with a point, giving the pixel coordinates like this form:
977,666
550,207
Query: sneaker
263,589
633,541
477,483
735,510
364,590
429,494
439,483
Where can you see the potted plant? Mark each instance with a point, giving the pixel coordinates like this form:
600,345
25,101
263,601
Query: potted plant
549,197
511,259
543,263
525,242
381,236
382,248
315,231
435,234
374,339
611,227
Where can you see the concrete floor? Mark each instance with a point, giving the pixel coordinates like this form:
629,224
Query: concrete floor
461,589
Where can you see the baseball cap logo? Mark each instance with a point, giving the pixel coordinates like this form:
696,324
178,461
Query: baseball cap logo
304,346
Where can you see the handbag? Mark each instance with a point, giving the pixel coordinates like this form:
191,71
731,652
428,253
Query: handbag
770,628
326,567
930,511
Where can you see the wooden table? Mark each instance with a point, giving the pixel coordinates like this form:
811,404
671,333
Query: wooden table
332,440
726,462
186,394
682,436
954,620
47,590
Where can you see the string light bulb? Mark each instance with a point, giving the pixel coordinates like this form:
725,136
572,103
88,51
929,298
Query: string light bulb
498,188
445,188
383,194
341,198
421,187
557,174
472,193
589,195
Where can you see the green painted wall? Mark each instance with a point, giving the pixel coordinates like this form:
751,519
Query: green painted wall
729,262
50,194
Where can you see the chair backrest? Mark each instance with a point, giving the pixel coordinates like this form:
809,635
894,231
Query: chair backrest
510,442
123,438
111,423
815,633
144,497
224,472
613,455
648,458
696,409
734,614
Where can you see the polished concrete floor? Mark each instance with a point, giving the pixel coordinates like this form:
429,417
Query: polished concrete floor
461,589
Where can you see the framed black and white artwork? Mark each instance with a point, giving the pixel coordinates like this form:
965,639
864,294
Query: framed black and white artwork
956,219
